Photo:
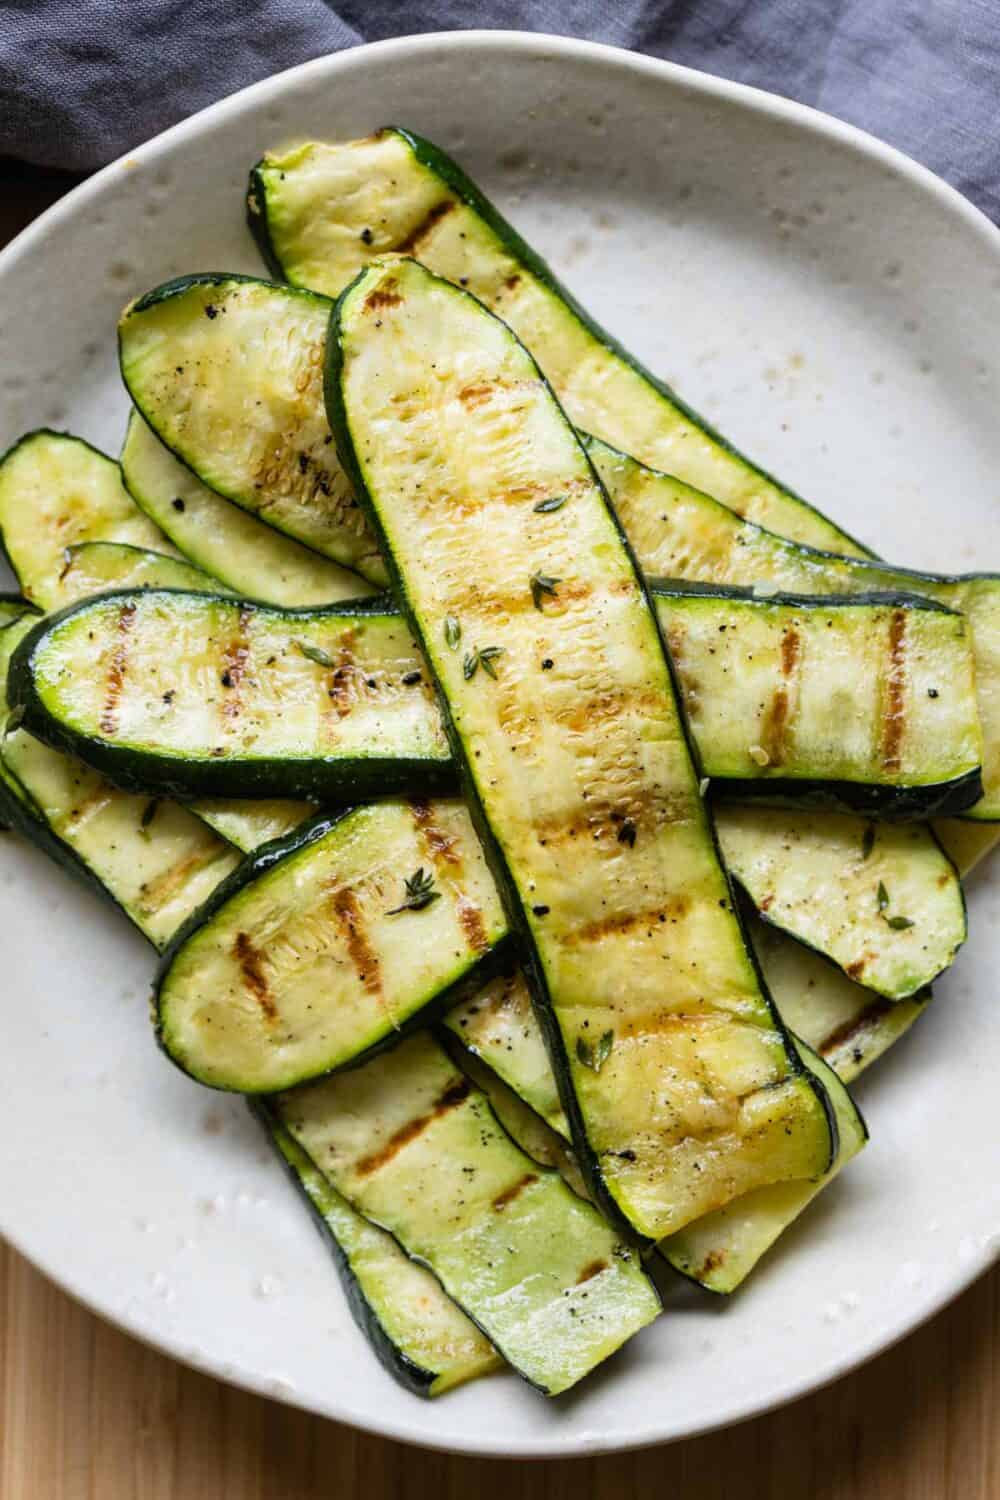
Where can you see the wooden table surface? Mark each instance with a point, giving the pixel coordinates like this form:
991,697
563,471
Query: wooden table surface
88,1414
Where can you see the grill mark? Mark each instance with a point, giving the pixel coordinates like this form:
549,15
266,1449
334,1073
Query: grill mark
501,1201
443,849
155,894
431,219
774,731
116,671
624,922
857,968
251,962
342,676
235,657
648,811
455,1094
383,296
841,1035
363,955
894,716
712,1262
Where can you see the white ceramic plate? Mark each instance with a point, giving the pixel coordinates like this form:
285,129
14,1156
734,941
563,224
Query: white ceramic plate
836,310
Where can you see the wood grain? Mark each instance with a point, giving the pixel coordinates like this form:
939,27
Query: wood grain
86,1413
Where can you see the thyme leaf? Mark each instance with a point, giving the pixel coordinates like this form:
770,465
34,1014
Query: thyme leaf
898,924
554,502
595,1057
420,892
315,653
484,657
883,896
541,585
452,631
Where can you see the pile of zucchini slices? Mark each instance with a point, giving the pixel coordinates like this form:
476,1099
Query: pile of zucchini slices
530,799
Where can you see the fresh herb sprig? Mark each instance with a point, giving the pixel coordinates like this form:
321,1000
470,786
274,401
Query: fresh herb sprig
896,923
595,1056
541,585
484,657
420,892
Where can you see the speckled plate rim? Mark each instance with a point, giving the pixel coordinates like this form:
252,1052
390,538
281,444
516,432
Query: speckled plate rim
797,118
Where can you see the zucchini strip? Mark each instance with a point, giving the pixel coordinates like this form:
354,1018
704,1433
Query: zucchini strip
99,567
186,350
320,212
316,954
421,1337
413,1145
307,699
478,485
56,490
254,560
676,532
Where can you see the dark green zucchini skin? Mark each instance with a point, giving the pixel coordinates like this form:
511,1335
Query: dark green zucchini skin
407,1372
891,804
466,190
493,962
329,782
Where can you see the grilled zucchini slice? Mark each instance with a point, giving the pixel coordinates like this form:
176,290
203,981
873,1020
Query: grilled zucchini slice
424,1340
320,212
582,777
187,351
785,697
413,1145
252,559
55,491
317,953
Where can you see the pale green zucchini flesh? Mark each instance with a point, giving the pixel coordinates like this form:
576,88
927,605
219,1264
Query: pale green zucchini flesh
739,660
323,211
252,559
417,1332
190,348
678,532
55,491
99,567
412,1145
209,696
248,824
315,953
582,776
720,1250
886,905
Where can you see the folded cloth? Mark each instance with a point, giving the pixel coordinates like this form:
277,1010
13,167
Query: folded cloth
83,80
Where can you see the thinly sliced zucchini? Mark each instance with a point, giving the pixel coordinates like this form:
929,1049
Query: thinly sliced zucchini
581,776
254,560
887,907
415,1147
778,674
212,696
418,1333
97,567
155,861
188,351
720,1250
795,698
12,607
320,212
966,843
498,1025
677,532
328,945
56,490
